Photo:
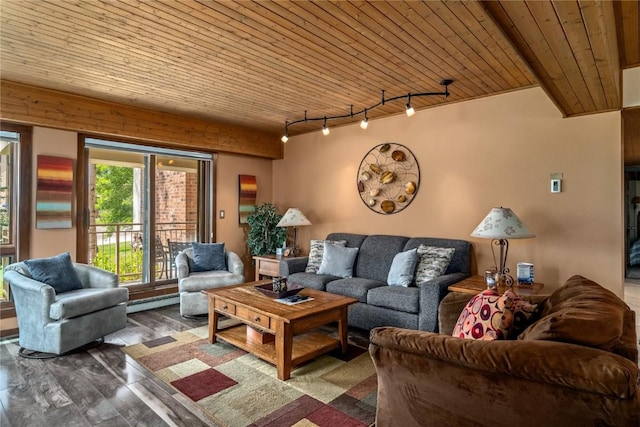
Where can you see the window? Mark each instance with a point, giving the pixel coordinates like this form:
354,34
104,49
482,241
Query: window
15,197
141,201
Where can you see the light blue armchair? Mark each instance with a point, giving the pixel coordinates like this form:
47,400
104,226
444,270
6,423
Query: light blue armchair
58,322
190,284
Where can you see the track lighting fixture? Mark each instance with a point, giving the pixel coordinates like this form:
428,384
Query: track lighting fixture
410,111
365,122
325,129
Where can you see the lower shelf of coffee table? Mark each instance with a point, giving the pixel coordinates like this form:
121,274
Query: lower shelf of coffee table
305,346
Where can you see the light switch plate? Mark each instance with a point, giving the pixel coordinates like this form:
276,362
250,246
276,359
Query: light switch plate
556,185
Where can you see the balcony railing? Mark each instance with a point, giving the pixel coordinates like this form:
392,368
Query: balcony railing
119,248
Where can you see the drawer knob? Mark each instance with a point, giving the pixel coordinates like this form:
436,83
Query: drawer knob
256,319
224,307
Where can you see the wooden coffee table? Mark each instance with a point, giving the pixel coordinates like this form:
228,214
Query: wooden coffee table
278,333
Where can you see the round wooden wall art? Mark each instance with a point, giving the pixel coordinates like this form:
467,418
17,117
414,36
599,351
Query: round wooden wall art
388,178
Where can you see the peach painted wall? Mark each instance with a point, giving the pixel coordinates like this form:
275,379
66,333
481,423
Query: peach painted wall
59,143
494,151
228,230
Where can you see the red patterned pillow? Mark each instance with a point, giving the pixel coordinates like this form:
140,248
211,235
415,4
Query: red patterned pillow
486,317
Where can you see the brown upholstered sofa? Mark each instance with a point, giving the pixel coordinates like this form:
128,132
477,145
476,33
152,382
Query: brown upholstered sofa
577,365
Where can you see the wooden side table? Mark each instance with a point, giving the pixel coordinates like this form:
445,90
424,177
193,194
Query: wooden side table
267,265
476,284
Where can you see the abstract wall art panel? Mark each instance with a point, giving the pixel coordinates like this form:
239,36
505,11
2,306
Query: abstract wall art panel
54,192
247,200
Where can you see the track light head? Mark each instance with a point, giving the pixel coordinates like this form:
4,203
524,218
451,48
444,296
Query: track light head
325,129
365,122
285,137
410,111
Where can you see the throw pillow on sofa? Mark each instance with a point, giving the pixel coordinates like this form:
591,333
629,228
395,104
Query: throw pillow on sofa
338,260
316,250
433,262
402,268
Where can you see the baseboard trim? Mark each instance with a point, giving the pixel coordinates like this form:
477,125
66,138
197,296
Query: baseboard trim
151,303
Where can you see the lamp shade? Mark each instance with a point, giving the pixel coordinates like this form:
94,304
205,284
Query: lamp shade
293,218
502,223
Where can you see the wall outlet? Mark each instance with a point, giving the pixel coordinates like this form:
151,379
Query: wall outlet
222,214
556,185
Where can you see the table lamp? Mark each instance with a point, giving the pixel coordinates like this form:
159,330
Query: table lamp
499,225
294,218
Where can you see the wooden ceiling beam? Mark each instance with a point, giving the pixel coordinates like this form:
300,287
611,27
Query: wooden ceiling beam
42,107
570,46
627,16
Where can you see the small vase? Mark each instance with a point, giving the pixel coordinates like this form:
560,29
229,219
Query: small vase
492,278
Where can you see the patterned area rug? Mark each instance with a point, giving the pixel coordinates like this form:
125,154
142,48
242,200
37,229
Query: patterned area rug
238,389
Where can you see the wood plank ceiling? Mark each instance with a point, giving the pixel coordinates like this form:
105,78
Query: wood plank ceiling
258,63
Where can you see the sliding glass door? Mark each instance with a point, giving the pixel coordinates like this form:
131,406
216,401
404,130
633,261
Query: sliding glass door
142,203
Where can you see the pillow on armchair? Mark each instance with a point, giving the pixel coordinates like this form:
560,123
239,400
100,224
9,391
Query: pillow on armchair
208,257
490,316
56,271
580,312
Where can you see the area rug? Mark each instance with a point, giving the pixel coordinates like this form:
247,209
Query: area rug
238,389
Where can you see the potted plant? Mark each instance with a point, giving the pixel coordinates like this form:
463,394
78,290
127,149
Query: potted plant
264,237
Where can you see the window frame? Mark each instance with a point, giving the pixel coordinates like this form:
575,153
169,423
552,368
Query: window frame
22,171
205,211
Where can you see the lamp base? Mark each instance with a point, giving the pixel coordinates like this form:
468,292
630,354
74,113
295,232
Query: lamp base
503,270
506,279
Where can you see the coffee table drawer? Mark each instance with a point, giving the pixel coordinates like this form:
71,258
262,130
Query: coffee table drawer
225,307
253,317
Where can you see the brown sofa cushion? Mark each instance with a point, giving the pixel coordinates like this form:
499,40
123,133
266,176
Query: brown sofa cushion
580,312
628,347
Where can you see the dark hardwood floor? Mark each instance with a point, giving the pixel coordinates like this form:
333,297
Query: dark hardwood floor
100,386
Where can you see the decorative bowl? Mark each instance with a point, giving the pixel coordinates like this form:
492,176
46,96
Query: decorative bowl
267,289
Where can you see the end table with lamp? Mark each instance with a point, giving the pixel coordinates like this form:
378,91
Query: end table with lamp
499,225
294,218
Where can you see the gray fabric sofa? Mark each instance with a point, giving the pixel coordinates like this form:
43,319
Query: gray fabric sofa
57,323
378,304
192,301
